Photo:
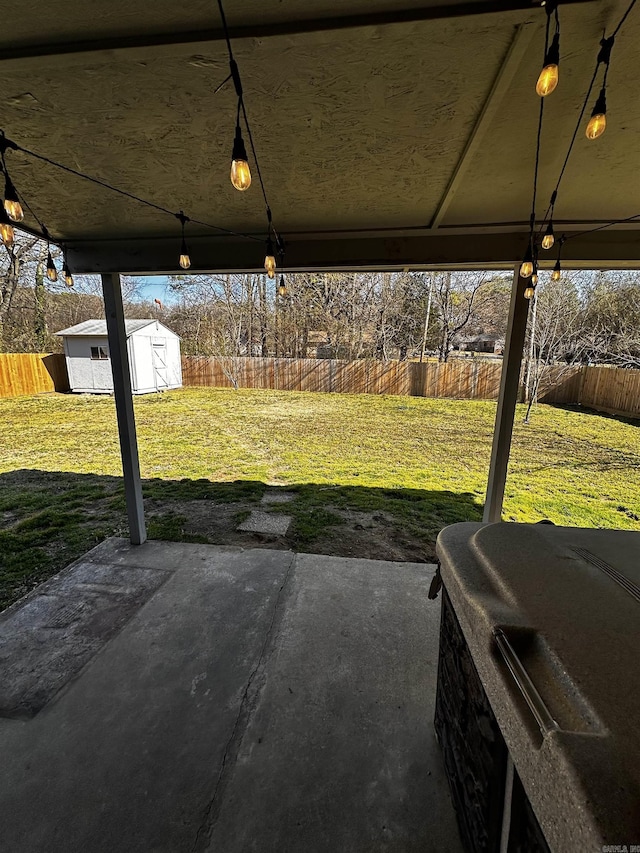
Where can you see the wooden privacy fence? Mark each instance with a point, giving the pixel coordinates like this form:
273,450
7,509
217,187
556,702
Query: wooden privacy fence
607,389
32,373
474,380
611,389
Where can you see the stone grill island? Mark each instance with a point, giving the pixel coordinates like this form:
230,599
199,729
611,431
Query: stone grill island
538,686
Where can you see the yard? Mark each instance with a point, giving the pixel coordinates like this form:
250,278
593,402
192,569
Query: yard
369,476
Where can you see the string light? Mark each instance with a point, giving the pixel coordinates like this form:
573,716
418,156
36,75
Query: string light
11,201
556,275
549,237
548,79
598,121
282,288
528,292
52,272
185,260
270,261
66,272
240,171
526,268
7,233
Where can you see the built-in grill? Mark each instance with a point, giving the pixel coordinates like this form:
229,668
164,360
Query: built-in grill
539,686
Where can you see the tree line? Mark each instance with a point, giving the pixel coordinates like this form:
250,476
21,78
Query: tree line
586,317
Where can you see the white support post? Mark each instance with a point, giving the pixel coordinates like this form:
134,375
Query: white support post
114,311
507,398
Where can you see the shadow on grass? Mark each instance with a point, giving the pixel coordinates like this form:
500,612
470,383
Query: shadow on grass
630,420
49,519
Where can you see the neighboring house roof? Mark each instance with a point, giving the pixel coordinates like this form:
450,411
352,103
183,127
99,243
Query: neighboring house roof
98,328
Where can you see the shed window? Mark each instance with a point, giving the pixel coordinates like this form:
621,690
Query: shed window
99,353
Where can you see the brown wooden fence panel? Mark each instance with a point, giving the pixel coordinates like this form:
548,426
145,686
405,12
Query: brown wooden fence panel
611,389
560,384
22,374
488,382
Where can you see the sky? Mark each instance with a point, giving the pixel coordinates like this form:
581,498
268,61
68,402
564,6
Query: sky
156,287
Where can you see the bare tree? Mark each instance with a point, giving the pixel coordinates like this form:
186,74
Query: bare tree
460,298
556,332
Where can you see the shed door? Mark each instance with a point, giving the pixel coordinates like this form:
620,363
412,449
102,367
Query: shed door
160,365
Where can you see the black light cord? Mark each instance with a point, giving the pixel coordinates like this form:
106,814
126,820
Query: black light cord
624,18
604,55
235,74
7,143
532,219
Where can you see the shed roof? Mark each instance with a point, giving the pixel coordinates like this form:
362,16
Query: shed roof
98,328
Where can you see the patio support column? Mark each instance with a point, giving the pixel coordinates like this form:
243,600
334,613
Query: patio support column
507,398
124,406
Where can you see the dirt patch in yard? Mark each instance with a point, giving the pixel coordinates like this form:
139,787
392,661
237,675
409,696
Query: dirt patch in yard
351,533
48,519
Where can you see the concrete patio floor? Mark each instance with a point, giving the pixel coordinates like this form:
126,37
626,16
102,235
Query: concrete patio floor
177,697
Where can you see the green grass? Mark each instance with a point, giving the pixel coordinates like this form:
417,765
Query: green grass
421,462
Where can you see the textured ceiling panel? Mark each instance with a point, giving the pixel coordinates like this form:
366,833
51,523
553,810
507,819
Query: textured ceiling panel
356,128
389,130
602,180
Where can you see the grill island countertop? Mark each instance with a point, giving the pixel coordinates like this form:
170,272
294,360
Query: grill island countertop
551,617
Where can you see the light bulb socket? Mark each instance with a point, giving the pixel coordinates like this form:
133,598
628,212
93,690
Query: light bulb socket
552,56
239,150
600,107
606,45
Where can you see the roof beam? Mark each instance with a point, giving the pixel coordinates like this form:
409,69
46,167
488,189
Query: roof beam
515,54
608,249
428,12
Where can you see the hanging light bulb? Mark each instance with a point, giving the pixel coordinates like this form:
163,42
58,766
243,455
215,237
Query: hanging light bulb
7,234
548,79
52,272
557,272
270,261
526,268
282,287
534,278
11,201
185,260
528,292
240,172
66,272
598,121
549,237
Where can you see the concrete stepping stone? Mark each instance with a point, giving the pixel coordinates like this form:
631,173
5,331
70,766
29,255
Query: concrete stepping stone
266,522
277,497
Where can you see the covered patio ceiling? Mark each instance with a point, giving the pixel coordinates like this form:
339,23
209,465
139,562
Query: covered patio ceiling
390,133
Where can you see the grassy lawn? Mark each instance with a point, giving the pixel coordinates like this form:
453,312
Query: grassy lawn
408,465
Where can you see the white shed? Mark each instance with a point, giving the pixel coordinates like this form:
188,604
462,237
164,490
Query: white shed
153,349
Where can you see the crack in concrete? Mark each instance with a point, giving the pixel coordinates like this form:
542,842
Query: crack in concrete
247,705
